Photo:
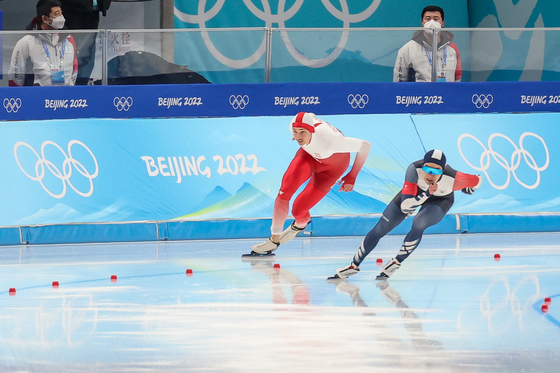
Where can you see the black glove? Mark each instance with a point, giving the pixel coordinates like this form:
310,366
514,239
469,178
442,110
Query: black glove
468,190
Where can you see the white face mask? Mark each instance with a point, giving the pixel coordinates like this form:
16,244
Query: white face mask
58,22
432,26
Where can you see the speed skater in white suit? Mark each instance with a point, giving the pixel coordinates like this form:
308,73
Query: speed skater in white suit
323,157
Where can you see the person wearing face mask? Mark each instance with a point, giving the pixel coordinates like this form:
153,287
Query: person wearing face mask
45,59
414,59
429,184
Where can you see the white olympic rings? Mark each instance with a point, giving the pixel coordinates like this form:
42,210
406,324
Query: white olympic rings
64,173
515,158
123,103
280,18
12,105
482,101
358,101
238,101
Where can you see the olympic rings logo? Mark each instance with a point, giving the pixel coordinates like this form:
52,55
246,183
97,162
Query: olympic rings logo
238,102
358,101
514,160
482,101
123,103
282,15
63,173
12,105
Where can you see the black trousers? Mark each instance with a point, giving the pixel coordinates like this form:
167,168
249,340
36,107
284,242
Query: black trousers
85,43
431,213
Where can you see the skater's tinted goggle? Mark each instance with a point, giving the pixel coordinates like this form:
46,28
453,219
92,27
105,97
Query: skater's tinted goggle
432,171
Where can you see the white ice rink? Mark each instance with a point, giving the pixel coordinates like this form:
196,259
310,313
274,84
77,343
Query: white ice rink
450,308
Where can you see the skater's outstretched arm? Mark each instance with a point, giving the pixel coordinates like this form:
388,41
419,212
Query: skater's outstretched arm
349,180
467,183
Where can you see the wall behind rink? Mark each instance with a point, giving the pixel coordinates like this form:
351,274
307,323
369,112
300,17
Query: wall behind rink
88,180
240,100
527,53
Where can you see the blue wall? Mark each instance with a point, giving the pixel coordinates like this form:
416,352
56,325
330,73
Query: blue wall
78,180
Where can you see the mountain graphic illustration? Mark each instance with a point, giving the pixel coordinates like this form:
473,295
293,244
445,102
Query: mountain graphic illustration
343,203
249,202
216,196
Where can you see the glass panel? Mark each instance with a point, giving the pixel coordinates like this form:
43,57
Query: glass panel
138,57
337,55
514,54
8,42
369,55
223,55
30,60
346,55
296,55
89,52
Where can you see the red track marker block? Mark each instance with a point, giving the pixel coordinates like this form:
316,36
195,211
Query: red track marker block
276,267
189,272
547,300
544,308
114,278
497,257
379,262
55,284
12,291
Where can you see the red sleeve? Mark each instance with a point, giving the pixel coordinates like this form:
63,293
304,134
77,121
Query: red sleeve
465,180
71,40
410,188
459,69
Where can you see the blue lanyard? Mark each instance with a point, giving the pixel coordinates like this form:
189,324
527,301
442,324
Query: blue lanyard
429,54
61,53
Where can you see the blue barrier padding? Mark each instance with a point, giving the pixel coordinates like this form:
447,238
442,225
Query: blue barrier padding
10,236
362,224
513,223
464,223
275,99
85,233
323,226
218,229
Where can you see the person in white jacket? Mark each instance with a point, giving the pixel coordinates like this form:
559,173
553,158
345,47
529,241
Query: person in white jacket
414,59
50,57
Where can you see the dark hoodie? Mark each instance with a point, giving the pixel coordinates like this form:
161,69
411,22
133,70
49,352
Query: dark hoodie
85,6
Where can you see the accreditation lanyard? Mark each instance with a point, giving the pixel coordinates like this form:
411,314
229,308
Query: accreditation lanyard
441,74
57,74
429,54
